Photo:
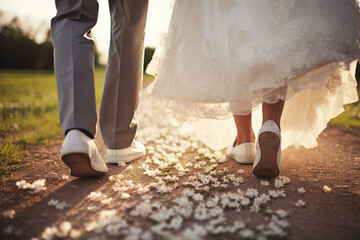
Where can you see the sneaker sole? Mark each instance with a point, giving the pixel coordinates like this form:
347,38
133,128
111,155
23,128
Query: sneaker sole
267,167
80,166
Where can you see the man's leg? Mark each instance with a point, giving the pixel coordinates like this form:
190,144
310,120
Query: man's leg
123,79
74,71
74,63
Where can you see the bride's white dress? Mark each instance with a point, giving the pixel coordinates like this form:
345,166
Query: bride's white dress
225,57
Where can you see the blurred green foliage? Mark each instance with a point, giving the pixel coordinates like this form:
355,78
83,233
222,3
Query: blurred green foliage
350,118
148,54
19,50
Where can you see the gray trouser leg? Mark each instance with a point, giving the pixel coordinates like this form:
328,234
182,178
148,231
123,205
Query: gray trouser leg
74,62
123,78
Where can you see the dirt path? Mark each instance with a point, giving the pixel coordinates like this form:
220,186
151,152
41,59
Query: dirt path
333,215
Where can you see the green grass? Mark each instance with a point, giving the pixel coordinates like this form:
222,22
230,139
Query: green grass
28,116
11,158
29,107
29,113
350,119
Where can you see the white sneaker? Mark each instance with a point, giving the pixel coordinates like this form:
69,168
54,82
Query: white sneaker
80,154
118,156
243,153
268,151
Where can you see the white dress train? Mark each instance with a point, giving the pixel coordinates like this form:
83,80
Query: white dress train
225,57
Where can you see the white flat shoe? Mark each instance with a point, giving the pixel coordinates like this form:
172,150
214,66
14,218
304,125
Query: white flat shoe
243,153
118,156
81,155
268,151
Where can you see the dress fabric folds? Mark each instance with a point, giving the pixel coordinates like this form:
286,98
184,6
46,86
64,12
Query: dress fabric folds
225,57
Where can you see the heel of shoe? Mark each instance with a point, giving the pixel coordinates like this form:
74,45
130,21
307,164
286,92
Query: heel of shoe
80,166
267,166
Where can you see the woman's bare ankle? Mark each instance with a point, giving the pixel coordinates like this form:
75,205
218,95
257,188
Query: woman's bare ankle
243,138
276,120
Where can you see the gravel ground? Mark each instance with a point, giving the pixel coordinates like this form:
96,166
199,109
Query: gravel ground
182,190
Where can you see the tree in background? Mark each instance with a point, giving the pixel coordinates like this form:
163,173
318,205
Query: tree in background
19,50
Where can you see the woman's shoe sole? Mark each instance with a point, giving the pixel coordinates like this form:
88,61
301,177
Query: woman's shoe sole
269,145
80,166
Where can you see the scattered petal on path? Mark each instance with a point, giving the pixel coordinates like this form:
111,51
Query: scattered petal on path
300,203
326,189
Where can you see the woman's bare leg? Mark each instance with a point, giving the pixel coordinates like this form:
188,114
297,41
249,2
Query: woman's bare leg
244,129
273,111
